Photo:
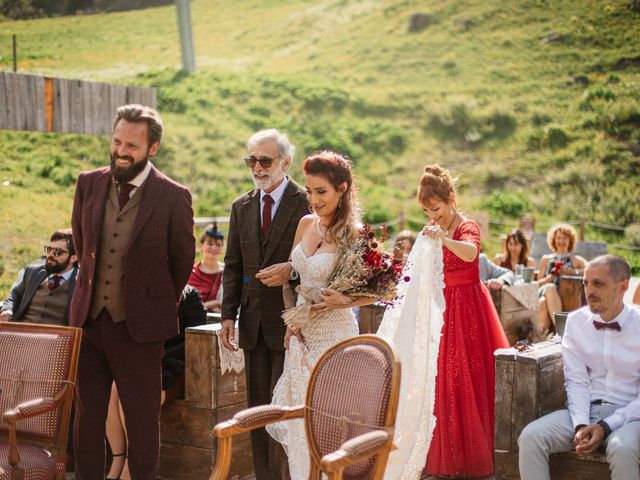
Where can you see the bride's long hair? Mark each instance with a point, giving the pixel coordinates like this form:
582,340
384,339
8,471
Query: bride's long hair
336,169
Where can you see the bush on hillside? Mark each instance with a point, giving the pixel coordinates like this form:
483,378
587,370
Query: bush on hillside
632,234
459,122
507,204
551,136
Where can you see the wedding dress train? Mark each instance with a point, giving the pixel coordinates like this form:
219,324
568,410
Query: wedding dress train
413,326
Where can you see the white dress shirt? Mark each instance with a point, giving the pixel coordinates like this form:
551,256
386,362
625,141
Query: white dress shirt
276,195
602,365
139,179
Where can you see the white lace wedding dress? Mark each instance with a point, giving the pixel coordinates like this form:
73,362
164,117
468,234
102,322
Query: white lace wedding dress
322,332
413,326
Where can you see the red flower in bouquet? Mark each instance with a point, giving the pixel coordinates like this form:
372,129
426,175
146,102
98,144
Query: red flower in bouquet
363,270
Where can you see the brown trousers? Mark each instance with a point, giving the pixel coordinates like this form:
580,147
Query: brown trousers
263,368
108,353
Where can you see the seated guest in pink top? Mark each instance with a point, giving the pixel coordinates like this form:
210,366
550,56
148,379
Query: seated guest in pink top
206,275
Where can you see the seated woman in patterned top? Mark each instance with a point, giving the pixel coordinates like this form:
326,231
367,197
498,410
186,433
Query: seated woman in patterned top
562,241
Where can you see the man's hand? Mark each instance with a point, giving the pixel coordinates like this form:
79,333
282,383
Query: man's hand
275,275
227,334
495,284
588,439
6,316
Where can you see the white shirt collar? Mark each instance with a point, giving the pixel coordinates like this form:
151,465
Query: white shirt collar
278,192
65,275
142,176
620,318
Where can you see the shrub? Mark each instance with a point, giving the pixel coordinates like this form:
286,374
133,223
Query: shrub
507,204
632,234
458,122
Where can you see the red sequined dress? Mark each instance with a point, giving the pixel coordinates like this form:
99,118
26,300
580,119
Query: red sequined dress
462,443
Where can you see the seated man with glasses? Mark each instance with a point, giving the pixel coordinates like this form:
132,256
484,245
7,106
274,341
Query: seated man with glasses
42,293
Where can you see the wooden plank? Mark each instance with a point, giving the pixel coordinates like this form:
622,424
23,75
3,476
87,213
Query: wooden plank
100,109
503,404
60,105
49,103
507,465
13,98
178,462
569,466
183,423
39,121
200,364
117,98
77,92
4,102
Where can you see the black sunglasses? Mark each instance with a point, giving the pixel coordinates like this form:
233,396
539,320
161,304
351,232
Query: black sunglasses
56,251
265,162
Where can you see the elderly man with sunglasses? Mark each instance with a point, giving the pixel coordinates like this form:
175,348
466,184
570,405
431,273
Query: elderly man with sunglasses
43,291
261,231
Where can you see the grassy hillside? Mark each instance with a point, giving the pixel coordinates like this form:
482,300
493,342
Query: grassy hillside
535,104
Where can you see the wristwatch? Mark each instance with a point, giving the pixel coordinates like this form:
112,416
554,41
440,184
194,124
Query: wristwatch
293,275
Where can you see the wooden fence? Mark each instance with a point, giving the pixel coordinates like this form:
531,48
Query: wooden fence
29,102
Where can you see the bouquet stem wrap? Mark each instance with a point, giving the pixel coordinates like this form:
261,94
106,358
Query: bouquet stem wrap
298,317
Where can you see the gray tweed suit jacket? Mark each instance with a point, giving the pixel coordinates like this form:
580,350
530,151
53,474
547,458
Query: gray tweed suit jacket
248,252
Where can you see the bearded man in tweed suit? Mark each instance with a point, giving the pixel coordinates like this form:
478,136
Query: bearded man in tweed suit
262,227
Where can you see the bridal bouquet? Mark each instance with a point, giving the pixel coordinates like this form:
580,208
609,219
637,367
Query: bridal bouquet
361,271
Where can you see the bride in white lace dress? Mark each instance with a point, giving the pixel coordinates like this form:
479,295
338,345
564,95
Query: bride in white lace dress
331,194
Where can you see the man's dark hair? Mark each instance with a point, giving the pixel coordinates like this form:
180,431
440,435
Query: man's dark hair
134,113
618,267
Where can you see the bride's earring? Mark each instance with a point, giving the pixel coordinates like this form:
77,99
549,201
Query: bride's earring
340,202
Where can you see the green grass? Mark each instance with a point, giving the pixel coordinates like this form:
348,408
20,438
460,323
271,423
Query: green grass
475,91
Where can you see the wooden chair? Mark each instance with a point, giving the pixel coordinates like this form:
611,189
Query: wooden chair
349,413
37,376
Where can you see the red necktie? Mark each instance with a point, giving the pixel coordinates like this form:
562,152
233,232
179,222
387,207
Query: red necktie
124,193
53,282
266,214
611,325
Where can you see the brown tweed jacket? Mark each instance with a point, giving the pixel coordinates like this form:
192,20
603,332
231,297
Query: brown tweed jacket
248,252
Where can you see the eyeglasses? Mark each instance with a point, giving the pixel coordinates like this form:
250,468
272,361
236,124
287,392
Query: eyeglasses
265,162
56,251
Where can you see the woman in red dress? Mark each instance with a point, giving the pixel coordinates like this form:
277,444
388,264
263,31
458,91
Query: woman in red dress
206,275
462,442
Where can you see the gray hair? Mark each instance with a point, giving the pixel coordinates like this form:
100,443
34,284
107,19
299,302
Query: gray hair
285,147
618,267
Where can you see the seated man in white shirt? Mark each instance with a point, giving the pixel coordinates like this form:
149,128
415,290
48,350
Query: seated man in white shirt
601,353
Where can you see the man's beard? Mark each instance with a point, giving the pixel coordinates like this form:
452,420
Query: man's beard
268,182
124,175
56,267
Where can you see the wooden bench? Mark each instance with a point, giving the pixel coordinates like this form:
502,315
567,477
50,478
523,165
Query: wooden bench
187,450
528,386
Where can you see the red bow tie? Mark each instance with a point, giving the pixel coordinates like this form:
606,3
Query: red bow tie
610,325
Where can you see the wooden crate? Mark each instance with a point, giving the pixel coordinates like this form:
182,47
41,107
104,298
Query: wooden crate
562,466
571,292
528,385
187,448
369,317
516,319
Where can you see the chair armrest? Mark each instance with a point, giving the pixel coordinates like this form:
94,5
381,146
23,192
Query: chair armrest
30,408
356,449
256,417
